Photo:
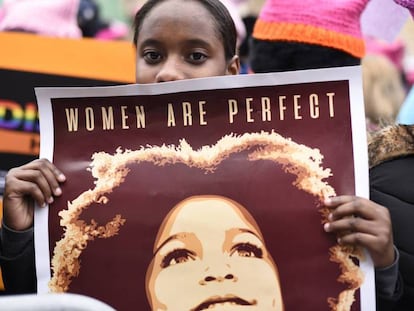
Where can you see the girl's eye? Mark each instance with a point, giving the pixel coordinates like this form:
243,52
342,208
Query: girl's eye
152,57
197,57
177,256
246,250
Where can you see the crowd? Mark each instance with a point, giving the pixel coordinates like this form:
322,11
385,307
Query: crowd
265,36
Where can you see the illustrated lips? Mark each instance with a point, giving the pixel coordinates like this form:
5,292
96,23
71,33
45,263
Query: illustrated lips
209,303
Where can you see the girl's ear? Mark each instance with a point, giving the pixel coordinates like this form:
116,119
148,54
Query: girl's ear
233,66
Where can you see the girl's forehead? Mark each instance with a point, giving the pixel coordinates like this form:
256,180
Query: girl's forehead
182,12
177,22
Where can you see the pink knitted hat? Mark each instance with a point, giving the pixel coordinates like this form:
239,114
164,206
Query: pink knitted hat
394,51
409,4
330,23
57,18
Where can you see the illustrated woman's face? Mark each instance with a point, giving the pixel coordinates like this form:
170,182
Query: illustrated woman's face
178,40
210,255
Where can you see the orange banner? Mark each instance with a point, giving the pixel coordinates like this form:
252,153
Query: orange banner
19,142
84,58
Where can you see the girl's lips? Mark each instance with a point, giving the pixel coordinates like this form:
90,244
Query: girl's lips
221,300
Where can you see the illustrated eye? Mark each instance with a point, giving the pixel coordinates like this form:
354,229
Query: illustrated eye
246,250
152,57
177,256
197,57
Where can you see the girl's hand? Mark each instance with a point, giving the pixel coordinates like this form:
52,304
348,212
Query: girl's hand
37,181
359,221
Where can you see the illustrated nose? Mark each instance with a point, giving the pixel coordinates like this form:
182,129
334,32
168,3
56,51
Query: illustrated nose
170,71
208,279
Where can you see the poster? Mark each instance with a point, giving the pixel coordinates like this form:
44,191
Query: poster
206,193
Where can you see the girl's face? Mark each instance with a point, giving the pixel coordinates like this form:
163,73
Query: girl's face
208,255
177,41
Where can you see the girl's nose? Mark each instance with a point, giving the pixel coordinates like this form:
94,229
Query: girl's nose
170,71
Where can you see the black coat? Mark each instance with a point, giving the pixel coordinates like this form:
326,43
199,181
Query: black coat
19,272
392,185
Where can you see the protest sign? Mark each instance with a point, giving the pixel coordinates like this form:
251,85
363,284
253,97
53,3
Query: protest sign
205,193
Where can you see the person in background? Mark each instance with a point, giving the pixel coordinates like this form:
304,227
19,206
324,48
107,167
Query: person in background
295,35
248,11
92,24
43,17
384,91
391,156
320,34
391,161
406,113
73,19
238,22
386,84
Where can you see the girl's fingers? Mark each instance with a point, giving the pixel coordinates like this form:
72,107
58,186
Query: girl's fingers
347,206
380,247
361,222
29,183
52,174
36,182
350,224
338,200
356,238
38,179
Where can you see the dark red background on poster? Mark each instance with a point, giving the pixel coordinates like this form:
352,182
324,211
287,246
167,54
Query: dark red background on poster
113,270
